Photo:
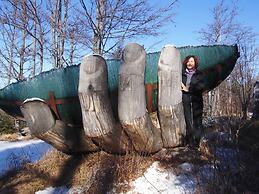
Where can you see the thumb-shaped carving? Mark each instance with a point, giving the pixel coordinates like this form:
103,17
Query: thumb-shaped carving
43,125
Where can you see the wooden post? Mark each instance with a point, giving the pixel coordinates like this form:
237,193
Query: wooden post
149,90
52,103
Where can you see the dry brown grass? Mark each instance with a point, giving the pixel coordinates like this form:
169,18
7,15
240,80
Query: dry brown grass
9,137
94,173
14,137
6,123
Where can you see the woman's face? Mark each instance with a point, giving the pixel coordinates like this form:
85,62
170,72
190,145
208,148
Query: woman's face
190,64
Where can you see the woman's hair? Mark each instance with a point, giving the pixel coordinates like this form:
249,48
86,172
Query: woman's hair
196,60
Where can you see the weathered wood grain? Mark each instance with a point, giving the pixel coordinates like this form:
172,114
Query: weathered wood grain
43,125
132,103
171,115
98,120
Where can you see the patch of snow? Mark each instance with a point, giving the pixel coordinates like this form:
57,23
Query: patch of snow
51,190
14,154
186,167
33,99
159,180
60,190
169,45
228,157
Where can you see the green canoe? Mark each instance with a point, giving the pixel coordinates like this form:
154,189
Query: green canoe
59,87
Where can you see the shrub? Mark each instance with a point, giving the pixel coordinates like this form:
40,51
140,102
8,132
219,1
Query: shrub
6,123
248,137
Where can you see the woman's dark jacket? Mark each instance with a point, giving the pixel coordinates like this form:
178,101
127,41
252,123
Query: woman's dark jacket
192,100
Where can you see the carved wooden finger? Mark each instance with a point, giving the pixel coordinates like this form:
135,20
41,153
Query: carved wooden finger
98,120
132,103
43,125
170,107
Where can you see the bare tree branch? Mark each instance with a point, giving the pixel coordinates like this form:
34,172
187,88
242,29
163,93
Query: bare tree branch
121,19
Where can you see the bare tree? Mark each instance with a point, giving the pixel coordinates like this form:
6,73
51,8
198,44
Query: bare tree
8,38
24,23
72,35
243,75
7,52
21,24
224,23
217,32
59,18
14,24
112,21
34,12
224,29
35,35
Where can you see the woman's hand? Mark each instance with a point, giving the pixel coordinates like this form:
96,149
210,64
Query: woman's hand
184,88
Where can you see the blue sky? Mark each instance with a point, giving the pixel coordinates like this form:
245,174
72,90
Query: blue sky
192,15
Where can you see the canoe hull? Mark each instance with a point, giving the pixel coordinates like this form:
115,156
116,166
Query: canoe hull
59,88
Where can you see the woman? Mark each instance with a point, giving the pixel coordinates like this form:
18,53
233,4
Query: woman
192,87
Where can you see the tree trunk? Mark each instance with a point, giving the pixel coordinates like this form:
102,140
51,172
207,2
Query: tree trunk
22,56
41,47
97,39
34,39
54,32
72,46
63,31
59,34
12,49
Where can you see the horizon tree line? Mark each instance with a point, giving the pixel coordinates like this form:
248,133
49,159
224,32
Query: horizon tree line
34,33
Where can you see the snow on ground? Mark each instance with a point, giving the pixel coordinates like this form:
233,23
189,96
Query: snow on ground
60,190
14,154
160,180
56,190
